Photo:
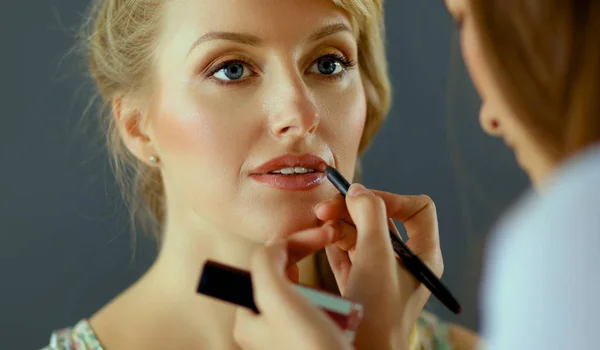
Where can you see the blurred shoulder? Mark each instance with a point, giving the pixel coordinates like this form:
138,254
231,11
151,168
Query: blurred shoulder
534,229
546,250
572,192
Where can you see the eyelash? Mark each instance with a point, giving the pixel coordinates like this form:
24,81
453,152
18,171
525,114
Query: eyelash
210,73
343,60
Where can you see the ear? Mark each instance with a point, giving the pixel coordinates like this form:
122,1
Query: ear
131,126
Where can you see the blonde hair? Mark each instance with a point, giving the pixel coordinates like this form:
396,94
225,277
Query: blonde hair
119,41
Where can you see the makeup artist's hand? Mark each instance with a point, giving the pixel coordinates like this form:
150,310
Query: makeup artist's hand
365,265
304,243
287,320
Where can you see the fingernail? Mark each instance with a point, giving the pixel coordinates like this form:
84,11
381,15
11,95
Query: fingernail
357,190
316,207
321,205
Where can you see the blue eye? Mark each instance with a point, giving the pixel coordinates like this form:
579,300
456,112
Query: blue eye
330,65
231,71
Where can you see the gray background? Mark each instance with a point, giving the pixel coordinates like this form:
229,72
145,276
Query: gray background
65,243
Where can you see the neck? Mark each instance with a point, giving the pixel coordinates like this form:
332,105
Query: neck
175,275
185,250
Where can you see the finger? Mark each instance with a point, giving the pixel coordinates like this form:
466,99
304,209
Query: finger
340,264
304,243
413,211
373,264
346,234
276,298
417,213
273,292
368,212
246,329
400,207
419,217
333,209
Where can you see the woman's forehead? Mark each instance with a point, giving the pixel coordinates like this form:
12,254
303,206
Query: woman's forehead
270,20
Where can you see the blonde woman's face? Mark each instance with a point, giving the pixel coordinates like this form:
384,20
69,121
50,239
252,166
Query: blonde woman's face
496,117
245,82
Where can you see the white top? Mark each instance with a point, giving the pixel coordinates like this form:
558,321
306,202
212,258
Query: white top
541,286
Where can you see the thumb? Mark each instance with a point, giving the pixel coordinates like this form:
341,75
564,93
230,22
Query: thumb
273,292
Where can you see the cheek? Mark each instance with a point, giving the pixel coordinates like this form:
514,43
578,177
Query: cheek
356,117
473,60
343,116
195,134
191,133
485,85
514,134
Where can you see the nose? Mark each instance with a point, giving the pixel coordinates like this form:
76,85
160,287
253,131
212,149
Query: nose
293,112
489,121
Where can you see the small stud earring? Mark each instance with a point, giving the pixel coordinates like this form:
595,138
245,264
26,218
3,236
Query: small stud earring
153,159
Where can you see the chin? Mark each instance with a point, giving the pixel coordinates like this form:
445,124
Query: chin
536,178
282,226
535,170
298,223
264,219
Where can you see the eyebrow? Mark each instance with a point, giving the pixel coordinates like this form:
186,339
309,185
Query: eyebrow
329,30
246,39
252,40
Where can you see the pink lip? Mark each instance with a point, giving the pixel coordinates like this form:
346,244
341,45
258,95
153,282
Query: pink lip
296,182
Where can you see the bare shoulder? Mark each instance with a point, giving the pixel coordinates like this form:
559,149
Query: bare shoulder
462,338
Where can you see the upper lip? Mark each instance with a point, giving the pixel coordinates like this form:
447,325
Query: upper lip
307,161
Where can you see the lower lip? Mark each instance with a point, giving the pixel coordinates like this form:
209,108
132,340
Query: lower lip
302,182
